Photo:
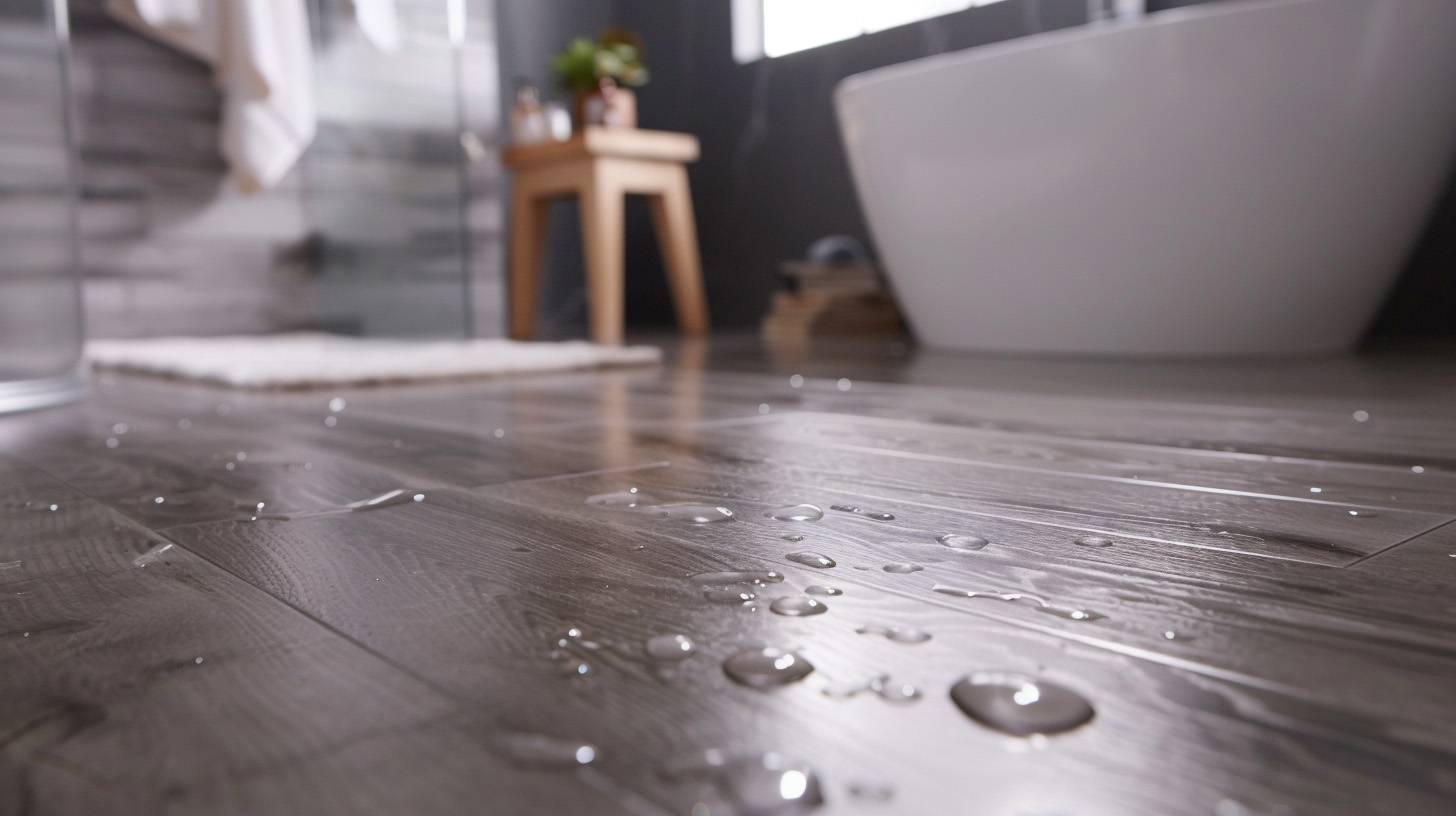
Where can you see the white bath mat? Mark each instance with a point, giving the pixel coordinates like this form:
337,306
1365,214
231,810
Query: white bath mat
286,361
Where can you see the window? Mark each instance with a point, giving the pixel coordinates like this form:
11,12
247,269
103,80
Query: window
772,28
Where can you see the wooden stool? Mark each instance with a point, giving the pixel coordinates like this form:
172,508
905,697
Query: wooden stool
600,167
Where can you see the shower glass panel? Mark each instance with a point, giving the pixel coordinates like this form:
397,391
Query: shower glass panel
386,192
40,296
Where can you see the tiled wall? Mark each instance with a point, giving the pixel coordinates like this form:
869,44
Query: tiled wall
367,234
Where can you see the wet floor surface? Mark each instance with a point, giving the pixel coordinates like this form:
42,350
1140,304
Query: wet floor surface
880,583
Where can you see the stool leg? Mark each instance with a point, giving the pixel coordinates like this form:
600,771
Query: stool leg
601,233
672,214
528,241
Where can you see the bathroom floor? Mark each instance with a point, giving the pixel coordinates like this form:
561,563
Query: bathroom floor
1247,571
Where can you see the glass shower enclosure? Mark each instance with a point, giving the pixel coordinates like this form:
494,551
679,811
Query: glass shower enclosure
40,293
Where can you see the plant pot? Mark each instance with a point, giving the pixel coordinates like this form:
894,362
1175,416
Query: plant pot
611,107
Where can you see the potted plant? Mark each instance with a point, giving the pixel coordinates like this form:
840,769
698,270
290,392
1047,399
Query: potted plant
600,75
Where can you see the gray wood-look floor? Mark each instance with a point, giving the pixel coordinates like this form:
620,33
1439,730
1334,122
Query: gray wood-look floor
1270,630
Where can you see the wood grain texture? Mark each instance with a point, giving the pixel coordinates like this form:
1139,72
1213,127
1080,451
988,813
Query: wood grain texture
1307,670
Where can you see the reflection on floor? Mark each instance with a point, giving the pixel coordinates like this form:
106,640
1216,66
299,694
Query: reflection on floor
854,579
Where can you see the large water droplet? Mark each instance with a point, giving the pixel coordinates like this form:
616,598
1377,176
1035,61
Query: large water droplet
625,498
1019,704
766,667
1038,603
877,515
797,606
692,513
1092,541
541,751
387,499
902,568
898,635
956,541
811,559
771,786
670,647
797,512
759,577
820,589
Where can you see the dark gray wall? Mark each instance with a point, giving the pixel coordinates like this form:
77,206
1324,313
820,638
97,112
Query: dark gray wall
774,177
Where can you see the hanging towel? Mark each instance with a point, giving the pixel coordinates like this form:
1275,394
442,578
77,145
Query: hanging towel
379,21
262,59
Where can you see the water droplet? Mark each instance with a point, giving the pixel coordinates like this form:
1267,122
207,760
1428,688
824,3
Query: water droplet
957,541
224,409
1316,490
119,428
388,499
811,559
902,568
1019,704
626,498
763,408
541,751
770,786
1170,634
7,565
159,500
796,512
330,421
858,511
766,667
797,606
198,661
230,466
728,596
820,589
1417,469
793,538
670,647
1364,513
184,423
693,513
1362,416
1038,603
896,634
844,384
796,381
151,555
882,686
499,433
112,442
1092,541
759,577
337,404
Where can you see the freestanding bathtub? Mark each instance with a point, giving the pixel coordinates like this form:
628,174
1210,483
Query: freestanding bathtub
1244,177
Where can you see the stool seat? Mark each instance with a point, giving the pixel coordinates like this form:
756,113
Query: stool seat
600,166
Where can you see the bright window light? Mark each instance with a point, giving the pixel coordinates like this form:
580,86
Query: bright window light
772,28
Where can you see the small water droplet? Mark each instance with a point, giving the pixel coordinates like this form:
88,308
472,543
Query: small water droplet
872,791
337,404
8,565
184,423
763,408
390,498
55,507
330,421
811,559
902,568
1038,603
797,606
1364,513
1417,469
844,384
119,428
728,596
796,381
766,667
198,661
1362,416
112,442
541,751
670,647
499,433
956,541
230,466
859,511
692,513
820,589
159,500
1092,541
882,686
624,498
793,538
1170,634
796,512
151,555
1316,490
898,635
770,786
1019,704
739,577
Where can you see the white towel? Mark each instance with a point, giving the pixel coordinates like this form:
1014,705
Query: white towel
307,360
262,58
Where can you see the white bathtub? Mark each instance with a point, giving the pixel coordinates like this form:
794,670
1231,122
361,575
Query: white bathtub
1245,177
